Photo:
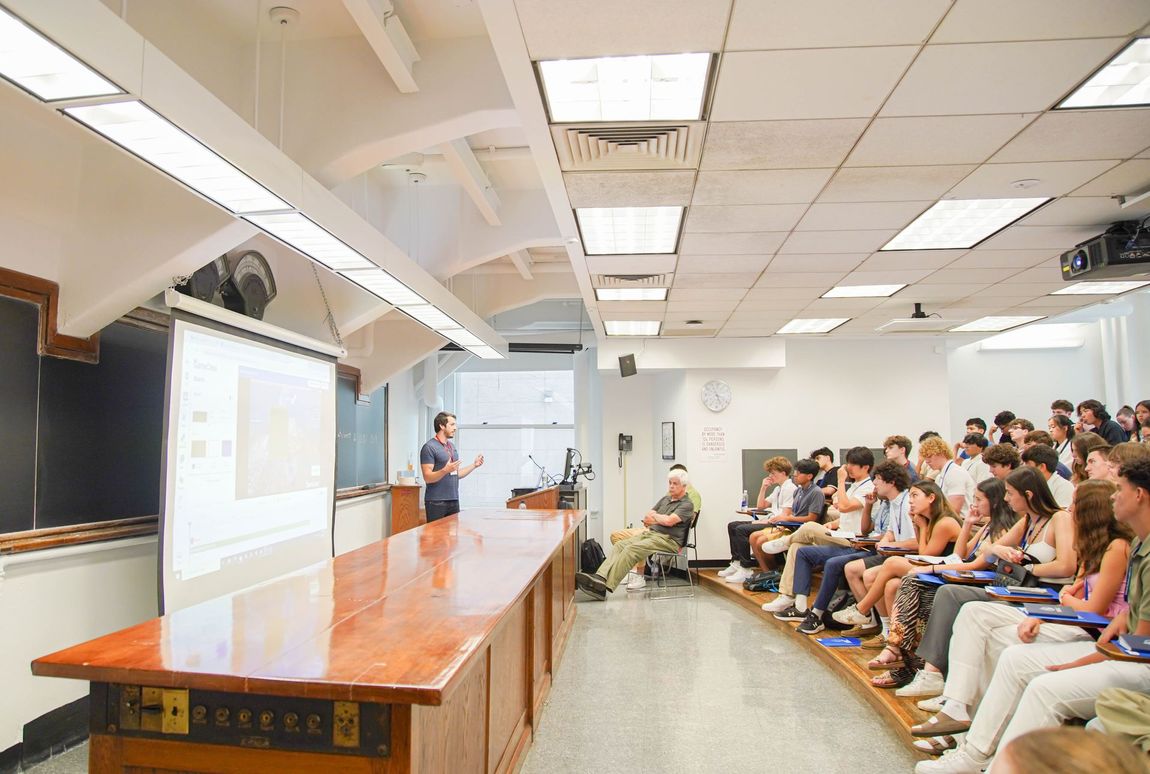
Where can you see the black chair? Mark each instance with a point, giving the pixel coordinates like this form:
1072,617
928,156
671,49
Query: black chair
665,560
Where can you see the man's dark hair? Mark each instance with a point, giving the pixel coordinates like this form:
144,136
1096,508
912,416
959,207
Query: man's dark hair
1062,404
1041,454
679,466
807,467
860,455
1025,424
897,440
441,420
823,450
1137,473
928,434
1001,454
1125,411
894,474
977,422
1096,406
975,439
1040,437
1003,418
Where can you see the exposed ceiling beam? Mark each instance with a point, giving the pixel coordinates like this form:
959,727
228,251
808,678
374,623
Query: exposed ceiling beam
522,261
388,39
463,164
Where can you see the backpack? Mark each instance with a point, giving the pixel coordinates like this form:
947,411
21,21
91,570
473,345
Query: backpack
591,555
763,581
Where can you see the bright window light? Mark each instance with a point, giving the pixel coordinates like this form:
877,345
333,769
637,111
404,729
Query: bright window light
863,291
991,324
1047,336
145,133
463,338
632,327
38,65
629,230
431,317
1099,288
663,87
954,224
385,286
300,232
631,294
813,325
487,353
1124,80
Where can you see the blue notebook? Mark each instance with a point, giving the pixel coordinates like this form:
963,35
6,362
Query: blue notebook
1090,620
840,642
980,575
789,523
1040,593
1134,645
928,579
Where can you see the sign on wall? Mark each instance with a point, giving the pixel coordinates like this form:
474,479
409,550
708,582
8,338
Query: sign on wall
713,443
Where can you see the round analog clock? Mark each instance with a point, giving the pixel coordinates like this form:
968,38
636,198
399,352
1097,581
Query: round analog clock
716,395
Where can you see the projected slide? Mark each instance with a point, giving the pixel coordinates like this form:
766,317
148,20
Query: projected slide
250,462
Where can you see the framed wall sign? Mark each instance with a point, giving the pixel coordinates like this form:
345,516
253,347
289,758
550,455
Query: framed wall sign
668,440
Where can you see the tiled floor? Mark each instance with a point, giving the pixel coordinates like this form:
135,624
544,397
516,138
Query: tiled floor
688,685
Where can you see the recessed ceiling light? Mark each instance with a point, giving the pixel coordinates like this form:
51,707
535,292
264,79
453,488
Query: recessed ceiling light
486,352
863,291
662,87
1099,288
984,324
629,230
36,64
463,338
431,317
632,327
1124,80
631,294
385,286
954,224
812,325
303,234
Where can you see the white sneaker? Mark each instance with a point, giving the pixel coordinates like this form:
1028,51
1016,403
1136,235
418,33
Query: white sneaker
739,575
851,616
961,760
778,545
924,684
930,705
636,583
778,604
730,568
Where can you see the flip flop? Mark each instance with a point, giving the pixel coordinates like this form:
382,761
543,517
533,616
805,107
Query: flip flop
878,663
888,680
936,745
940,725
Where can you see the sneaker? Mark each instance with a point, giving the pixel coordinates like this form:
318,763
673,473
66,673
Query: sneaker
778,545
592,585
739,575
812,624
792,613
637,583
852,617
961,760
859,631
924,684
730,568
778,604
932,705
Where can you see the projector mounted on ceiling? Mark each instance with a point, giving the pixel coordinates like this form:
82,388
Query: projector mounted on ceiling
918,322
1123,251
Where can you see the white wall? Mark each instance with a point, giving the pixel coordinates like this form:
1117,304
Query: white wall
404,436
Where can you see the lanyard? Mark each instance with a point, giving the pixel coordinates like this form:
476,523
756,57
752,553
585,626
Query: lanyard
449,449
982,533
942,474
1032,531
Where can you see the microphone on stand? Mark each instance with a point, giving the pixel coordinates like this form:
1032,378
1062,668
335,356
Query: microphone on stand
542,471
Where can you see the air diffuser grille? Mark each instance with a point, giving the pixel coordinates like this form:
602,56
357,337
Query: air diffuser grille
653,146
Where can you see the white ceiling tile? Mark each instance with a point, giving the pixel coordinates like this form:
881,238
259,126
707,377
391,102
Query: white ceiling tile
709,308
705,264
840,307
1125,179
935,295
1052,305
812,83
759,332
836,241
747,217
777,186
772,298
1069,135
893,184
676,321
731,244
780,144
765,310
977,78
845,216
1098,211
572,30
705,294
1047,273
629,189
1016,289
933,140
1055,178
713,280
630,264
770,24
884,277
896,260
1144,154
968,276
1039,238
654,309
807,263
977,20
1000,259
817,281
630,315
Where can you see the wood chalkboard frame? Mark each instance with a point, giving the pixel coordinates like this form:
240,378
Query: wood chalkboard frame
46,295
354,375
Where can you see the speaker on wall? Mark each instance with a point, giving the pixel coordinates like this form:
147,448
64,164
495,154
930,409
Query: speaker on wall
627,365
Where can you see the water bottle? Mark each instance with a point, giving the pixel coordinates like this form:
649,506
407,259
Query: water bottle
744,503
522,505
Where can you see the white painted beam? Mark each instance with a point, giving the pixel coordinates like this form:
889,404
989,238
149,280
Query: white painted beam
466,169
522,261
388,39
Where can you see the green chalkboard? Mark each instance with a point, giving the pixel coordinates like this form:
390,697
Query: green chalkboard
361,441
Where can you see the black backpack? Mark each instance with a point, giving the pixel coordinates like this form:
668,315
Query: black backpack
591,555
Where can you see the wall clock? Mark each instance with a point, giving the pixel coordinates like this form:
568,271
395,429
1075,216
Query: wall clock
716,395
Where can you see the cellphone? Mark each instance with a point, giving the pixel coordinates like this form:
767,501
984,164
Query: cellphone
965,574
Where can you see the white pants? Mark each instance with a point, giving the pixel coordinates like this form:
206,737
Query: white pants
981,632
1024,696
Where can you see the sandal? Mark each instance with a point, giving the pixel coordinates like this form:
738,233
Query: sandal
879,662
876,642
893,678
935,745
940,725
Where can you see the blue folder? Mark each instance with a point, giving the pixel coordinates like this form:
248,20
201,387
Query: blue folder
978,574
840,642
1040,593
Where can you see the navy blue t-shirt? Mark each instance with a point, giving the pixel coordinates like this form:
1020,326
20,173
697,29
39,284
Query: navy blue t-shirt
438,455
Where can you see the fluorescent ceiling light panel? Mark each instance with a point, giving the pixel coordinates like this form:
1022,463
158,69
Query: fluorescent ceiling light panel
1099,288
1124,80
813,325
385,286
140,130
863,291
632,327
303,234
463,338
955,224
485,352
431,317
39,66
662,87
631,294
1047,336
629,230
985,324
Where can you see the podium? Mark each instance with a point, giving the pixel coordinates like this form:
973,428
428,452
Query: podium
540,499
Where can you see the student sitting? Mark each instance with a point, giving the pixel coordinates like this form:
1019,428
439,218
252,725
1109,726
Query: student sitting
1123,453
1018,430
1001,459
778,507
1001,420
1098,463
1084,442
1063,407
1125,419
955,482
973,425
1061,429
1094,415
1045,459
692,495
897,449
973,445
828,477
1045,439
809,503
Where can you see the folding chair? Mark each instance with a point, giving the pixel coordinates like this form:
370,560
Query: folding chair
665,560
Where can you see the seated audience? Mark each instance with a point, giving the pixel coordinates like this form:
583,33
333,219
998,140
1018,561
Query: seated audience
1063,407
1001,420
828,476
973,445
692,495
897,448
1144,431
1142,412
1083,442
1044,438
1045,459
1098,463
973,425
1018,430
1001,459
923,468
955,482
1125,419
1123,453
777,506
1069,751
1094,416
809,503
1061,429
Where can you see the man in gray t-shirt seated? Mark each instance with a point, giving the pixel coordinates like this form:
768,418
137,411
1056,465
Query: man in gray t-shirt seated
666,530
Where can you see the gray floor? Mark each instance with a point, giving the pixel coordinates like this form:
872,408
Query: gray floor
688,685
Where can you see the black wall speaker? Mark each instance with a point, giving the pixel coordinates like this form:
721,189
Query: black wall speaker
627,365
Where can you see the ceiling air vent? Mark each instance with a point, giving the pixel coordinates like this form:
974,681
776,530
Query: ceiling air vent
631,280
917,325
643,146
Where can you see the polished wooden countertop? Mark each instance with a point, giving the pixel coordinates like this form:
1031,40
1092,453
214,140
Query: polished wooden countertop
395,621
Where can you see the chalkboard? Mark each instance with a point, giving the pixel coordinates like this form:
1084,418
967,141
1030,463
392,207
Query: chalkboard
361,443
753,474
